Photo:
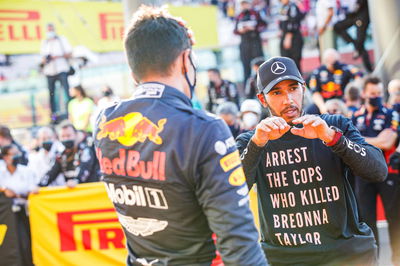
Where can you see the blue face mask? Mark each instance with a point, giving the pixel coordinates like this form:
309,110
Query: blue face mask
191,86
375,102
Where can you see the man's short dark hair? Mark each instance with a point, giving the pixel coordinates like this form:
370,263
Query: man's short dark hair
371,80
215,70
153,41
353,93
68,125
5,132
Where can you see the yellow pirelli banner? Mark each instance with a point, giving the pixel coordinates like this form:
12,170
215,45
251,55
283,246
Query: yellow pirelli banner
76,226
79,226
96,25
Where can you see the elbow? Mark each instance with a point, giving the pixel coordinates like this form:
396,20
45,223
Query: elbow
381,173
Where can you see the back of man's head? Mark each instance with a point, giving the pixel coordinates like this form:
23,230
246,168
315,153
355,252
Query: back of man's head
153,42
352,93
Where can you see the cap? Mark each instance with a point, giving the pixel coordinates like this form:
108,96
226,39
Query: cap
276,70
251,105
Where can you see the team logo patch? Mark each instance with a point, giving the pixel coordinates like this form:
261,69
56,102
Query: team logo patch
141,226
237,178
230,161
150,90
278,68
221,147
130,129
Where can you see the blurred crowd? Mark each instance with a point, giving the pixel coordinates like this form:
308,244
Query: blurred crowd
62,154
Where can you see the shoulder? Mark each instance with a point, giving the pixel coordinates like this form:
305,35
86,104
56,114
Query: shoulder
245,137
206,117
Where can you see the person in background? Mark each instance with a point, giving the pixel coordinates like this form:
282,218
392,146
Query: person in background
80,109
229,112
220,90
329,81
336,107
379,126
55,52
394,95
108,98
250,89
249,25
352,98
16,182
6,139
250,114
291,44
357,15
49,148
325,13
77,163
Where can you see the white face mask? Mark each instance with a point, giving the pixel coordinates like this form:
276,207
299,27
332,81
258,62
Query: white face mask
50,34
250,120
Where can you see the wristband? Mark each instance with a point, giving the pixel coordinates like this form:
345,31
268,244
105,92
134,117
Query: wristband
336,137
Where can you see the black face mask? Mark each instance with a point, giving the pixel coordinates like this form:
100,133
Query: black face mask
68,144
107,93
47,145
336,65
191,86
375,102
17,160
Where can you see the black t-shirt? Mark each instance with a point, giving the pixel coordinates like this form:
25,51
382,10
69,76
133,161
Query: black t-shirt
308,212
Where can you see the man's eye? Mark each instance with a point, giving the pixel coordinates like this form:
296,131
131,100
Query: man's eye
276,92
294,88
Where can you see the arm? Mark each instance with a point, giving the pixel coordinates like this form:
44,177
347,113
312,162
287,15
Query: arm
363,159
87,159
384,141
327,20
251,144
51,174
319,101
250,154
261,25
237,31
222,193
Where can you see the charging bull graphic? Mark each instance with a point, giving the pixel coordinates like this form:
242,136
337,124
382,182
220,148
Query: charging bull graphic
130,129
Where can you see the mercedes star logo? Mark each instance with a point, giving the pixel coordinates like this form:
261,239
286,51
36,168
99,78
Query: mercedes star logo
278,68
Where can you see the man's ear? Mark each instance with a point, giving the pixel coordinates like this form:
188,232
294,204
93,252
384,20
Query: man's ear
263,101
186,61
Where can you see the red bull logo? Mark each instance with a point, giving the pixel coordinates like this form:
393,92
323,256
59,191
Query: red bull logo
130,129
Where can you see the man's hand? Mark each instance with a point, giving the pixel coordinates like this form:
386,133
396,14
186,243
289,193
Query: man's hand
9,193
287,42
270,128
313,127
321,30
72,183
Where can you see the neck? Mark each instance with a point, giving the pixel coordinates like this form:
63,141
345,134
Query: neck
11,168
171,81
218,82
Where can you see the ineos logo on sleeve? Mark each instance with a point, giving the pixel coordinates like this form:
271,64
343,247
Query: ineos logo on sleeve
278,68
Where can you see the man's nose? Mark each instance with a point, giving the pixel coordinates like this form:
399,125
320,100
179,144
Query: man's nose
288,98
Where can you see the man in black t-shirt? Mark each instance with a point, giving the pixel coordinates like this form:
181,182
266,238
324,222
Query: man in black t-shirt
301,165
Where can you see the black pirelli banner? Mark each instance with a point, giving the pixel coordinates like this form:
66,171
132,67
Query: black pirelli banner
9,251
